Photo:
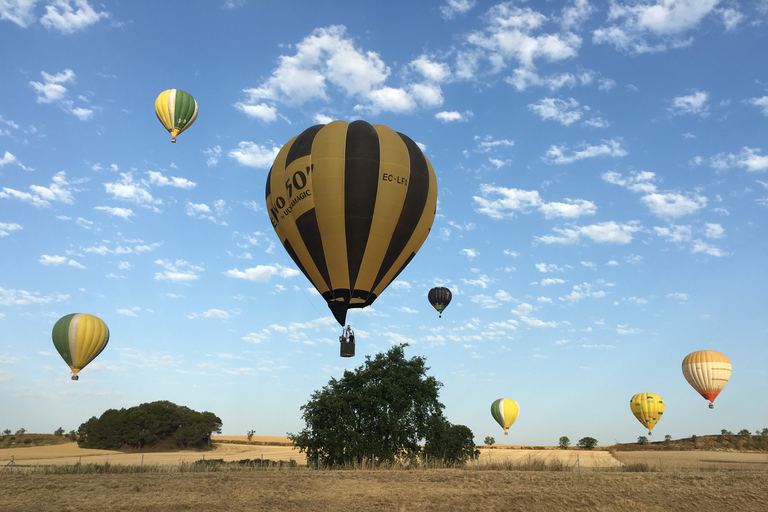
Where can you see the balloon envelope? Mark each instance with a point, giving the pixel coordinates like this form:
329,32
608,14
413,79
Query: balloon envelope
351,203
439,297
79,338
647,408
505,411
176,110
708,372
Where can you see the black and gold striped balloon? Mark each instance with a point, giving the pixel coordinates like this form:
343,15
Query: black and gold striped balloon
352,203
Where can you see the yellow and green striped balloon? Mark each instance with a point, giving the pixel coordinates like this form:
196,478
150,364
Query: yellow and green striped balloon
505,411
177,110
79,338
647,408
352,203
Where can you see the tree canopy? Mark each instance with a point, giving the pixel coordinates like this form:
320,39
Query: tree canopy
383,409
156,423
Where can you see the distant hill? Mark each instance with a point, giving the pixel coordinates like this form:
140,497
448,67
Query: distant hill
722,442
21,440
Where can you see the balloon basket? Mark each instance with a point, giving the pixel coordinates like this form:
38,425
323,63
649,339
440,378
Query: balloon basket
75,377
347,349
711,406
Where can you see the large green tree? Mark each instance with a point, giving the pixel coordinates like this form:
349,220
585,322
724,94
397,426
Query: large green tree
149,424
383,409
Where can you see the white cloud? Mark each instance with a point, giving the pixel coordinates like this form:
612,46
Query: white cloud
157,178
703,247
253,155
51,91
678,296
117,212
748,158
557,154
469,253
129,190
604,232
662,204
674,233
694,103
262,273
453,116
11,297
714,231
9,158
58,190
647,26
328,61
524,310
56,261
673,205
454,7
761,102
69,16
512,35
178,271
501,202
7,227
261,111
562,111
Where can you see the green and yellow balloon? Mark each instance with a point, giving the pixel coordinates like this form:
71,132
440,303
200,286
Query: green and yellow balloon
505,411
79,338
176,110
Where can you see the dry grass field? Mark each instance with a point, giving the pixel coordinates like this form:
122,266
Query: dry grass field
431,490
596,484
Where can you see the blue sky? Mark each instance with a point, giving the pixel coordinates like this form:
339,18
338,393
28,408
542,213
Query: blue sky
602,205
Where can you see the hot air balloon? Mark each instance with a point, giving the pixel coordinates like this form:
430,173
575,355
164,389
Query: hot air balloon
177,110
79,338
647,408
439,297
708,372
505,411
351,203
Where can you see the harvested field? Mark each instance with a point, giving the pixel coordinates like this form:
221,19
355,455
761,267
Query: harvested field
233,448
171,482
433,490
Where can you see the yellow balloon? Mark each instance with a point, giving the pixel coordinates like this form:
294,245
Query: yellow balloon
708,372
505,411
647,408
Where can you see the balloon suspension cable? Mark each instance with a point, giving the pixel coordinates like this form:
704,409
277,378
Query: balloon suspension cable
319,314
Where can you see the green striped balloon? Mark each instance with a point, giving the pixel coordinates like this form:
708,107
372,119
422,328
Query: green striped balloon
79,338
176,110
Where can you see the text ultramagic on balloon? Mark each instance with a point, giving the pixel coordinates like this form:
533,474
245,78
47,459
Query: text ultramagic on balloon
352,203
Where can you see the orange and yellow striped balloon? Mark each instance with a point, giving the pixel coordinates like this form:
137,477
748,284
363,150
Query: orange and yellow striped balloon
708,372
